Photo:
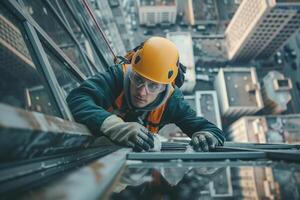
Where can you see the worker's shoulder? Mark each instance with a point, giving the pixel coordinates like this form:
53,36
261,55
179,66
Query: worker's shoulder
177,94
176,97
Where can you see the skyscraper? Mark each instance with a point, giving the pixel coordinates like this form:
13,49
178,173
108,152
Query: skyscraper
260,27
156,12
266,129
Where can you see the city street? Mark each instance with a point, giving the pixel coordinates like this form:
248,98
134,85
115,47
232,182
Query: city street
294,74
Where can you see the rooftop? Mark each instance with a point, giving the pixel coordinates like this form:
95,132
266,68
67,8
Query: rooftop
277,88
183,42
239,85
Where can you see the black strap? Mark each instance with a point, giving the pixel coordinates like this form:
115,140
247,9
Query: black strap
121,60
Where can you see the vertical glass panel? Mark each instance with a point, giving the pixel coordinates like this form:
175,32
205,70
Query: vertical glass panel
191,180
21,84
79,34
66,81
89,24
49,23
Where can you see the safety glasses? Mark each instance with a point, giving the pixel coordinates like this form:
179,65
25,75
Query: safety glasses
151,87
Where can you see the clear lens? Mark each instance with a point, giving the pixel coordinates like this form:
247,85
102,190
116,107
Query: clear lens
151,87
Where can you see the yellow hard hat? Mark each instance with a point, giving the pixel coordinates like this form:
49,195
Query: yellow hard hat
157,60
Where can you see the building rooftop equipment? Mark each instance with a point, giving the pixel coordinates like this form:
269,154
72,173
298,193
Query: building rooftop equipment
276,92
238,91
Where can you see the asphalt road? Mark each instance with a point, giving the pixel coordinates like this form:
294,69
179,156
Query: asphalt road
294,43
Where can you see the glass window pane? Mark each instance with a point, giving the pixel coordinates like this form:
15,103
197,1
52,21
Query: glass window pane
21,85
66,81
80,36
89,23
43,15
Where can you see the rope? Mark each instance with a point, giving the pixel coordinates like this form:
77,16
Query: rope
89,10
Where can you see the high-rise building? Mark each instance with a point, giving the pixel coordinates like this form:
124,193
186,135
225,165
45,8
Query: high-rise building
112,25
238,91
255,182
276,92
266,129
156,12
260,27
184,43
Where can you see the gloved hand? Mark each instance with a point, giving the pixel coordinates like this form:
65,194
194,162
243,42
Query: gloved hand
204,141
131,134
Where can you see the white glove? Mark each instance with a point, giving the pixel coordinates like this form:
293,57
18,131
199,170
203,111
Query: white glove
204,141
131,134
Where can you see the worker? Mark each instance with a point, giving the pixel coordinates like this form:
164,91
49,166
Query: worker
130,103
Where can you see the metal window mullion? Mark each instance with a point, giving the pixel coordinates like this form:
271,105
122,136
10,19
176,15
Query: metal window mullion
149,156
47,70
14,7
69,65
92,35
82,23
69,31
62,14
89,61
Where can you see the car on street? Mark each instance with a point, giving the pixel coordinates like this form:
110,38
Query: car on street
294,65
278,58
148,32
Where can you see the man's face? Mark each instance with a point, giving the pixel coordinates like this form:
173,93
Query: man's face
139,91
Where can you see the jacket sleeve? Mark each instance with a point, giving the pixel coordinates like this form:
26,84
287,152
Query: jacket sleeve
89,102
185,118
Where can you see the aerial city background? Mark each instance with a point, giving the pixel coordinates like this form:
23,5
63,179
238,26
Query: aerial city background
243,71
242,58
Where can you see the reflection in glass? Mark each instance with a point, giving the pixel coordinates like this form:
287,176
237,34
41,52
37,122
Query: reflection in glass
21,85
64,78
80,36
90,25
42,14
252,180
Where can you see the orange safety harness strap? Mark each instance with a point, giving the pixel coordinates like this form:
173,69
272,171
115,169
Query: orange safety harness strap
153,118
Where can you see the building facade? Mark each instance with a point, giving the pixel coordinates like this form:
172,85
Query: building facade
260,27
263,183
276,92
238,92
266,129
184,43
185,8
208,107
156,12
